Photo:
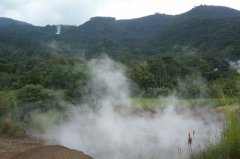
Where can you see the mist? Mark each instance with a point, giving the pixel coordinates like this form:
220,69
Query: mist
106,127
235,65
58,29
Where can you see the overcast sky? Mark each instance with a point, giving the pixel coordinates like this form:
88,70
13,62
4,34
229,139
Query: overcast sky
76,12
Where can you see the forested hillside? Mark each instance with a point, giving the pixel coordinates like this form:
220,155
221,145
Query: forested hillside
159,49
203,29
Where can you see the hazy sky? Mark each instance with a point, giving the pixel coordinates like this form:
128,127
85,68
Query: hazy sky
42,12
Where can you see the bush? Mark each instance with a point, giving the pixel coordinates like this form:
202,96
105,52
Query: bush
228,86
7,99
159,91
8,127
192,87
4,105
35,98
32,93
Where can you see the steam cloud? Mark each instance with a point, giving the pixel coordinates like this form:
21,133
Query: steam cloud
111,131
235,65
58,31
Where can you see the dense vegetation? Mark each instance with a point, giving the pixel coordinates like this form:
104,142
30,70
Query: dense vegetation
33,82
40,82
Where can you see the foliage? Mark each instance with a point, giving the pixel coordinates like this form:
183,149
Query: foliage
229,144
201,30
8,127
35,98
32,93
4,106
159,49
142,75
42,121
156,91
226,87
192,87
7,100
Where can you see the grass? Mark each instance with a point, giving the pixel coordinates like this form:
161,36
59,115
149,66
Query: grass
228,146
3,147
158,103
8,94
146,103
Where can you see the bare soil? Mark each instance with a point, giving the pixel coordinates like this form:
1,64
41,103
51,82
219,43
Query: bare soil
11,146
52,152
26,147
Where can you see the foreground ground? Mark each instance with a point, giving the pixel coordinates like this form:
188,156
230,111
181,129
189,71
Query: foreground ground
10,147
25,147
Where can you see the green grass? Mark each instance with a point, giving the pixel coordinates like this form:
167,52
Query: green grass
158,103
3,146
9,93
228,146
146,103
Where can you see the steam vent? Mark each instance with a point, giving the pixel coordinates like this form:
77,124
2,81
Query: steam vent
52,152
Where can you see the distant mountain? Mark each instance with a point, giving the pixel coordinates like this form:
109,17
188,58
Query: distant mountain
204,11
5,22
200,30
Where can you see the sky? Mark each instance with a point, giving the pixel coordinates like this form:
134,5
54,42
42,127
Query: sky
76,12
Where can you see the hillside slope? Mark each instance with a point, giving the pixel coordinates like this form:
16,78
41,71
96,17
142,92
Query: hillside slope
201,29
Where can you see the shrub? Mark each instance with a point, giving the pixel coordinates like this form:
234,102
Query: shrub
3,106
32,93
158,91
228,86
8,127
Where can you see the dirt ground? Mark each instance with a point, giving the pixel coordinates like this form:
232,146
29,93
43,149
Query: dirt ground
26,147
11,146
52,152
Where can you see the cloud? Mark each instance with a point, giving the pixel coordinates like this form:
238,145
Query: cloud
123,9
43,12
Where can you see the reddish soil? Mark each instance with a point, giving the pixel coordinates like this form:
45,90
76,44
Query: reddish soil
11,146
26,147
52,152
217,111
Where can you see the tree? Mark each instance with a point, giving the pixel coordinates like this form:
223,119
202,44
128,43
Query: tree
142,75
32,93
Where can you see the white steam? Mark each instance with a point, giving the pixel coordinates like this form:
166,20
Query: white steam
235,65
58,29
113,131
109,84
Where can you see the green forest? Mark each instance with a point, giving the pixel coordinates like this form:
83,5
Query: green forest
33,81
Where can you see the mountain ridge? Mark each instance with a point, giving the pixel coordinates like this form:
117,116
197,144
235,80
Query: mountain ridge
211,9
199,29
